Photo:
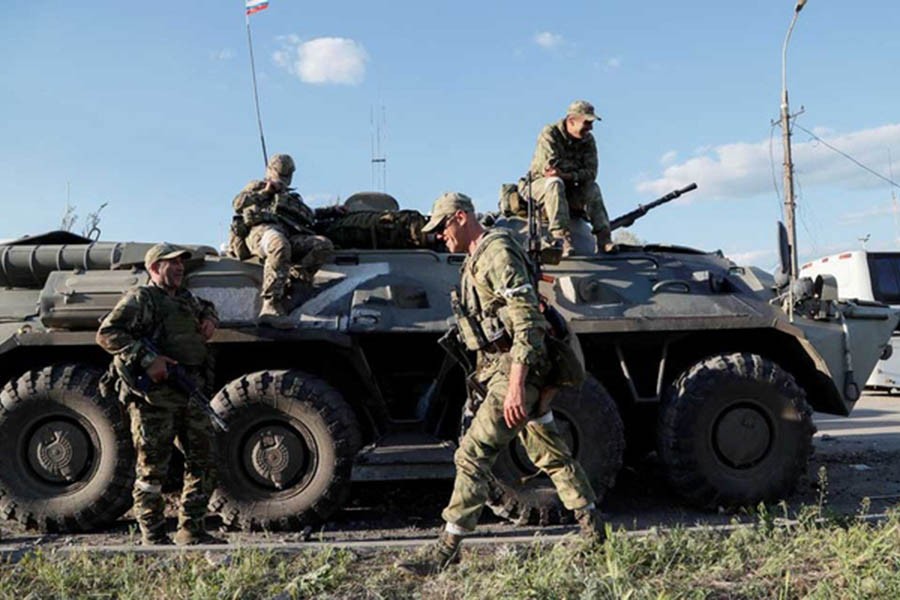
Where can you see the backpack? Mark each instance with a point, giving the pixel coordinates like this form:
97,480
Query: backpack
374,230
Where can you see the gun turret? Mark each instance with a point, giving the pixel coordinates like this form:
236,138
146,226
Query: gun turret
630,217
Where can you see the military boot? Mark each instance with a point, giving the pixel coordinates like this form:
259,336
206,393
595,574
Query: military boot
155,536
435,557
591,524
274,315
186,536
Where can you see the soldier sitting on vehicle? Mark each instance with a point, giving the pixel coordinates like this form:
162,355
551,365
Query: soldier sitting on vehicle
563,173
272,223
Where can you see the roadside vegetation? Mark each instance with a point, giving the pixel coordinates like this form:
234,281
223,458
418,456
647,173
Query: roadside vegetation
813,555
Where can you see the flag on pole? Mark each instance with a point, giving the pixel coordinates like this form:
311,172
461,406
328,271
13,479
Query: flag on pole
254,6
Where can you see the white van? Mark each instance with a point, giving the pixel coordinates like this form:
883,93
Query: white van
873,276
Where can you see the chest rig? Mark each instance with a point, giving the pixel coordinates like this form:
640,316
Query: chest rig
479,310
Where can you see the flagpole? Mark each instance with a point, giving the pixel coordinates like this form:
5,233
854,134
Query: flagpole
262,139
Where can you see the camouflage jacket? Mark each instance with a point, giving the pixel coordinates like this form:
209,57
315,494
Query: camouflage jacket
496,286
569,155
256,207
138,317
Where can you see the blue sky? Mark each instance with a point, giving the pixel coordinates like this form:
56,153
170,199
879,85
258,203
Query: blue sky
148,106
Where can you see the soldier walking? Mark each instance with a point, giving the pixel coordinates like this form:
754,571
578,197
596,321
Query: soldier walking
498,293
564,172
273,223
177,326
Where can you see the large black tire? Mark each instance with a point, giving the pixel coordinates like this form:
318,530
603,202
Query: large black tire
286,459
590,423
735,430
67,452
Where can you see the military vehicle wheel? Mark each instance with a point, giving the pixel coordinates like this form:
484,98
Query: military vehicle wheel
592,428
286,459
735,430
67,452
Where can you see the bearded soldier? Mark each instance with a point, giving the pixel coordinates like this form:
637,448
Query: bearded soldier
150,328
500,302
563,173
273,223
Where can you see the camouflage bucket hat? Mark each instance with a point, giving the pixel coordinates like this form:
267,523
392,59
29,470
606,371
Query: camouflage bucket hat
446,206
582,108
164,251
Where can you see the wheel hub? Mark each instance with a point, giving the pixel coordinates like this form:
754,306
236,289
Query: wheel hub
275,455
59,452
743,436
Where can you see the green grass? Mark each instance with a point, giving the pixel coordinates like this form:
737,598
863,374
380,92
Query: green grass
815,556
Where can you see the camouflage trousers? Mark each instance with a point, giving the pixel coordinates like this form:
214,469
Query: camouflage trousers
154,431
488,435
560,202
279,251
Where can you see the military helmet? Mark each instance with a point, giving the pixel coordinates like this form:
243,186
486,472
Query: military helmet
282,165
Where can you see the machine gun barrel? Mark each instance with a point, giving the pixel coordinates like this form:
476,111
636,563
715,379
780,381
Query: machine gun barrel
630,217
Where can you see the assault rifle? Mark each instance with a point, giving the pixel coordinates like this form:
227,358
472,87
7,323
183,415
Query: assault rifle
630,217
456,350
179,379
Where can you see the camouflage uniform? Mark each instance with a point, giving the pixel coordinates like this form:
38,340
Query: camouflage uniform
497,288
562,199
161,414
277,228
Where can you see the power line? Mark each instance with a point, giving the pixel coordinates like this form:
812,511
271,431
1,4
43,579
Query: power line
847,156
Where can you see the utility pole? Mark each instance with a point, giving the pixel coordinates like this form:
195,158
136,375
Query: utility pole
790,204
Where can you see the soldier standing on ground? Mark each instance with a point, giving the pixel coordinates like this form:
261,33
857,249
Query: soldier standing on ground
564,172
497,291
178,326
273,223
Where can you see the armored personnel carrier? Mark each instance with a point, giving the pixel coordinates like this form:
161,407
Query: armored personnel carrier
689,354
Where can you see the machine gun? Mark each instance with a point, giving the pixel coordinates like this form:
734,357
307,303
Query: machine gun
179,379
630,217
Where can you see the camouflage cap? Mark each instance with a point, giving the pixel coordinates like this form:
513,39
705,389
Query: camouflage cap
445,206
164,251
582,108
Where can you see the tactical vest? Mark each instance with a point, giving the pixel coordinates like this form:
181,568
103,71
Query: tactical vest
485,329
179,334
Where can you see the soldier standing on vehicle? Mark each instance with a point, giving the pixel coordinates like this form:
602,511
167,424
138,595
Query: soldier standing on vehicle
177,325
498,296
273,223
564,172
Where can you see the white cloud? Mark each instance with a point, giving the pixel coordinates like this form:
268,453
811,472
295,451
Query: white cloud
548,40
323,60
864,215
743,169
613,63
668,158
223,54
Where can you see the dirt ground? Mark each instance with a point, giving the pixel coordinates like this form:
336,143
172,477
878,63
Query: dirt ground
860,455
